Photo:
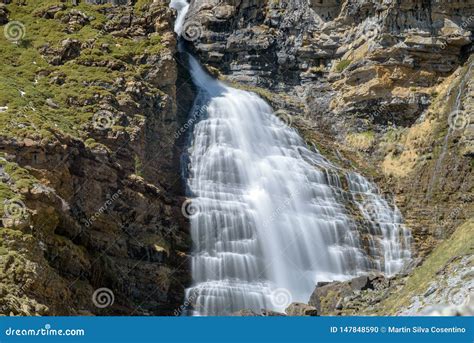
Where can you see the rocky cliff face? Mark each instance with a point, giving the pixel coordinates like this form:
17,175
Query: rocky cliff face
91,191
381,86
382,78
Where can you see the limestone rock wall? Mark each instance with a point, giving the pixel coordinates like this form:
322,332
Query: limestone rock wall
94,201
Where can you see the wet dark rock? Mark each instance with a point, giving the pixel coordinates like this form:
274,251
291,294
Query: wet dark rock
359,283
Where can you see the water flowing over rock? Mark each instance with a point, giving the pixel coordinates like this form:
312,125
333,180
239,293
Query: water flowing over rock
272,216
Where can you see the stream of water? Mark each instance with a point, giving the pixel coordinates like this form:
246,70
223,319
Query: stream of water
273,217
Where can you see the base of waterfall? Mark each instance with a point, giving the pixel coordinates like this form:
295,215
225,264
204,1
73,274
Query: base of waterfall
336,298
363,295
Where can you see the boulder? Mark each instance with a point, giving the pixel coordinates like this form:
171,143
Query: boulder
51,11
69,49
301,310
359,283
325,298
330,297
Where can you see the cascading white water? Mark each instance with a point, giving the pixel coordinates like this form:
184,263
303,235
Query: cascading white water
182,7
272,214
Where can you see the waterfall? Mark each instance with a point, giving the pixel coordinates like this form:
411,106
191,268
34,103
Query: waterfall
452,125
182,7
271,216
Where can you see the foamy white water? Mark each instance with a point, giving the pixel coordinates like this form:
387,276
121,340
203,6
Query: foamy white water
273,216
182,7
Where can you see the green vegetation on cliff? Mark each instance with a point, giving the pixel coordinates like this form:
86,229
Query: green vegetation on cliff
67,61
460,244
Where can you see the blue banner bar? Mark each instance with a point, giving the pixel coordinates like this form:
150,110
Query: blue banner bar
237,329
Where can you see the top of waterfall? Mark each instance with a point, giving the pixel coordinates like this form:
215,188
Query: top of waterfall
203,80
182,6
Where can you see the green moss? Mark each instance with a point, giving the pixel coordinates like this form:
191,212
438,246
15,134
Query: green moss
19,179
5,193
138,166
342,64
393,135
26,78
20,176
141,4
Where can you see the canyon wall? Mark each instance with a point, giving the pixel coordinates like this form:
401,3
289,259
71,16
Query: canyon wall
91,190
